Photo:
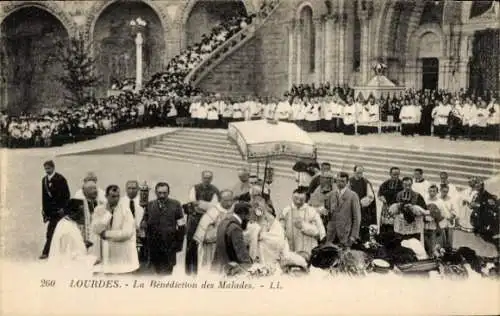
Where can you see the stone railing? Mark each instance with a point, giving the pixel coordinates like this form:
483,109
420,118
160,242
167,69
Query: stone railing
227,48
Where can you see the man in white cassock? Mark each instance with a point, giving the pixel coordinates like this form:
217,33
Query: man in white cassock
193,110
283,110
206,232
67,248
440,115
115,225
409,117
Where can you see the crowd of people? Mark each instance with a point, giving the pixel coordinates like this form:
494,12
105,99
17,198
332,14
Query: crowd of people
238,228
164,98
313,109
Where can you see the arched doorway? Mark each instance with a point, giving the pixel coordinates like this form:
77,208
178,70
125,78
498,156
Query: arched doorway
114,41
30,67
206,14
428,54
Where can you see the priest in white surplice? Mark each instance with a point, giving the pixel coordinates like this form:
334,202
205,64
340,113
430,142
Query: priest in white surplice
101,198
206,232
115,225
67,249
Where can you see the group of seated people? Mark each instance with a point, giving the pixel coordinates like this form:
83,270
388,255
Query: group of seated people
162,98
59,127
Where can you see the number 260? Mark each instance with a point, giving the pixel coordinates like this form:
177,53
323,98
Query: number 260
47,283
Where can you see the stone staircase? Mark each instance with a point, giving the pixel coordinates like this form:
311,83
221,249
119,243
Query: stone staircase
213,148
227,48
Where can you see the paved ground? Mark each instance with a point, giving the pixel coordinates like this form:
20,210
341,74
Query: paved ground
22,237
22,230
22,227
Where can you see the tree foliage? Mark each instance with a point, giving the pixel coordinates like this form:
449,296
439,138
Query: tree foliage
79,74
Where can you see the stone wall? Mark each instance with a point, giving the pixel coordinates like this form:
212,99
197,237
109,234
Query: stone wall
271,63
258,67
236,75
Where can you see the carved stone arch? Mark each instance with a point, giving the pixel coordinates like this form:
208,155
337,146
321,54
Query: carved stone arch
412,53
183,14
390,19
50,6
414,23
382,27
99,6
318,8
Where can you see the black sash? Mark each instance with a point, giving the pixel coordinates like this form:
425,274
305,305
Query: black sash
46,185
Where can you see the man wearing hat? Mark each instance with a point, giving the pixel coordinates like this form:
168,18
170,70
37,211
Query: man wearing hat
55,195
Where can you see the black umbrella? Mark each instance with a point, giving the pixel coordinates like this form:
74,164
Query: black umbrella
304,165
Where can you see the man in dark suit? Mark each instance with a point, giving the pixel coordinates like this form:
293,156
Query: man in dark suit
55,196
345,221
230,246
165,226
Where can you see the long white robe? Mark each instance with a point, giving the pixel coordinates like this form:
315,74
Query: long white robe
67,249
206,235
119,249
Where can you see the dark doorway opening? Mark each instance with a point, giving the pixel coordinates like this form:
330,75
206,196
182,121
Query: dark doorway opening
430,73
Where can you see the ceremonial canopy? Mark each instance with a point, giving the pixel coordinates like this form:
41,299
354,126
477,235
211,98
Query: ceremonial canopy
262,140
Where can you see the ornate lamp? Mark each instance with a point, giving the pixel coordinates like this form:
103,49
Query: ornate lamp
144,194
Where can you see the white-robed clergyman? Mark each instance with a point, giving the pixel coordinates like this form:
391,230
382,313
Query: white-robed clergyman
115,225
67,249
206,232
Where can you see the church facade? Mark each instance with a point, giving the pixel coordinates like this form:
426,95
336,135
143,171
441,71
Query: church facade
444,44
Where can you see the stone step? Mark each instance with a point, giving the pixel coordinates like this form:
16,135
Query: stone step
328,153
219,134
223,157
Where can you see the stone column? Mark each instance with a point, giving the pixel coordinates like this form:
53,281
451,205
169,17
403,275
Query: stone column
465,55
298,34
335,50
318,51
329,51
291,51
365,49
418,74
341,49
444,69
138,61
410,74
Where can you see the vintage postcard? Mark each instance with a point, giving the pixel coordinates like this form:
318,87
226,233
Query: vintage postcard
249,157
